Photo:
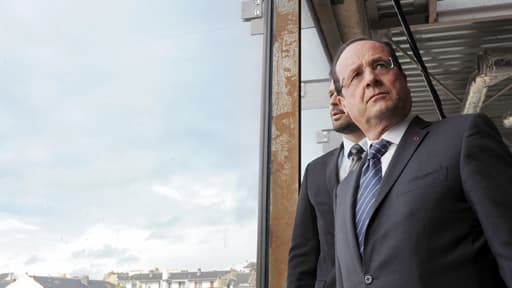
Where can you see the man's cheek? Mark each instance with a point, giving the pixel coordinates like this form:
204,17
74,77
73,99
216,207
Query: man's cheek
349,107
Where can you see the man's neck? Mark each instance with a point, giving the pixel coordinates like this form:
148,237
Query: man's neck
378,131
375,131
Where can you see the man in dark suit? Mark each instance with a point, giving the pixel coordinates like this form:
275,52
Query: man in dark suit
431,204
311,256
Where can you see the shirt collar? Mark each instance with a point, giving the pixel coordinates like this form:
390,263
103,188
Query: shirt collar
395,133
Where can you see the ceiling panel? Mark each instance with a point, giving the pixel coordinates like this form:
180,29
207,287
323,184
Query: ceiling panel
450,52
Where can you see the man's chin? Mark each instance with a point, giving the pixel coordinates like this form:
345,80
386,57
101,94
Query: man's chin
388,111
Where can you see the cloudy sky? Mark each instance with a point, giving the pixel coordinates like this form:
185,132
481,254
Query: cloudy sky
129,135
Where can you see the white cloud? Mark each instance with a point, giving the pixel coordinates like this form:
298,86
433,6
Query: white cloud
203,189
101,249
12,225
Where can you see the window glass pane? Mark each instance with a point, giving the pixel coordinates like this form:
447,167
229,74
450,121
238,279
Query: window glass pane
317,136
129,139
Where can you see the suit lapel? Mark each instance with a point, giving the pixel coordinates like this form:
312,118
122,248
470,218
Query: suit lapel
347,192
410,141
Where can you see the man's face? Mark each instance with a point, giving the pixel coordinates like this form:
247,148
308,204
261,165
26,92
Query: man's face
373,90
341,122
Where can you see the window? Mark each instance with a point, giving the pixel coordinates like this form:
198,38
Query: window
131,136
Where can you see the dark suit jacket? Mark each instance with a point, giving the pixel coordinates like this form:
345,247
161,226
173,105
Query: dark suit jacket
443,215
311,256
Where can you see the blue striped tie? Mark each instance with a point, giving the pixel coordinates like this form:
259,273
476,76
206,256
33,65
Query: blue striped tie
371,178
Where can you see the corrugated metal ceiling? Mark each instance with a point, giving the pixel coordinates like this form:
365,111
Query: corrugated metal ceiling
450,51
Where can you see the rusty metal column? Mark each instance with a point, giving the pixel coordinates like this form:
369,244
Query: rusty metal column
280,140
285,136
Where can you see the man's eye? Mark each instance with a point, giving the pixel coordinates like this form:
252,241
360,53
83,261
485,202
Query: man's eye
381,65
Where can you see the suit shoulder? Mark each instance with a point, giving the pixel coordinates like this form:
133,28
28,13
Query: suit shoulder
323,159
463,121
465,118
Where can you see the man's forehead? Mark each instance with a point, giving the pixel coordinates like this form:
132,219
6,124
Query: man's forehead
361,51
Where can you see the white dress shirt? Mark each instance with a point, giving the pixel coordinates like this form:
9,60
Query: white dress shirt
393,135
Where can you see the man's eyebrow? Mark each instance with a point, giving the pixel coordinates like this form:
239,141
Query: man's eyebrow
372,60
357,66
379,58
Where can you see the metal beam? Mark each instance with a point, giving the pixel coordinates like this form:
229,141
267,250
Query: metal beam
280,140
352,19
494,66
476,95
262,252
325,23
498,94
432,11
472,10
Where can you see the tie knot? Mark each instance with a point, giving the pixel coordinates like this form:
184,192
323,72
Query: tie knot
356,151
378,149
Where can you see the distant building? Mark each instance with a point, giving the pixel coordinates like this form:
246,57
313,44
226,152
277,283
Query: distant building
246,280
5,279
182,279
25,281
210,279
151,279
83,282
199,279
113,277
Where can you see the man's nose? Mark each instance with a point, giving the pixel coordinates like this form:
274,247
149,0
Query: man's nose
370,78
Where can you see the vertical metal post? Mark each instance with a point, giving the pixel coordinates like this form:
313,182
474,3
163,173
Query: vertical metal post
280,174
265,160
285,135
432,11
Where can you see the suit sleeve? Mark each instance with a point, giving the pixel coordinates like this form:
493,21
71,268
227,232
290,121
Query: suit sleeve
486,171
305,245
